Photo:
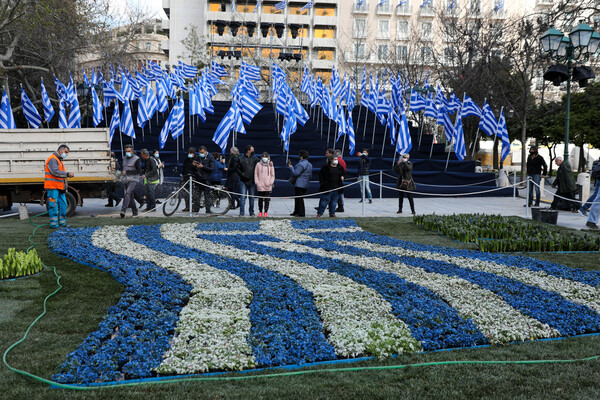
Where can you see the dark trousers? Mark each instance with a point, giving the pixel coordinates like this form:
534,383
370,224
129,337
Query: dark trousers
410,200
330,200
262,201
129,200
299,201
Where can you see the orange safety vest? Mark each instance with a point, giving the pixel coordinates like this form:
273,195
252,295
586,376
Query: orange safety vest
51,181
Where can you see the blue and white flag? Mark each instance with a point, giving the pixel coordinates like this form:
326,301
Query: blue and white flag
257,6
197,96
178,122
459,139
382,2
142,79
488,122
250,72
307,6
151,102
443,119
289,127
96,107
417,102
335,84
430,108
351,101
166,129
187,71
195,107
85,78
499,5
31,113
135,86
404,141
74,115
248,105
161,95
454,104
363,88
61,90
503,133
62,115
127,121
71,93
351,134
281,5
7,120
426,3
470,108
218,70
126,90
94,78
401,3
47,104
142,114
342,124
115,121
231,121
156,70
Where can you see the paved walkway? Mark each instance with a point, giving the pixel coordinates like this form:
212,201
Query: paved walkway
506,206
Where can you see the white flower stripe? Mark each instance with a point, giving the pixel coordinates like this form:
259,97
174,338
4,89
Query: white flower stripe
356,318
288,226
496,319
577,292
213,327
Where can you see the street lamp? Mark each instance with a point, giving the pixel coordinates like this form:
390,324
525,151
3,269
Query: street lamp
581,43
85,90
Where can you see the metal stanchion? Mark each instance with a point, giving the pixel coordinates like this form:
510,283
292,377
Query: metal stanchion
514,184
191,199
380,185
363,187
527,198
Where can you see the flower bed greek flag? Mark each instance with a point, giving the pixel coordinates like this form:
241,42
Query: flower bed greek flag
235,296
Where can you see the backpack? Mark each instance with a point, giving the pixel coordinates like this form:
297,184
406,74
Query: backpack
596,169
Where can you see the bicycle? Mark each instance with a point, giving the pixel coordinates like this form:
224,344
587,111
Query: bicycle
221,201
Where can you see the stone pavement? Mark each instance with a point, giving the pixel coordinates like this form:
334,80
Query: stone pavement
385,207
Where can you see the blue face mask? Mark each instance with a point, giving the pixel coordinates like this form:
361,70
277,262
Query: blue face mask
156,155
128,154
202,155
64,155
190,156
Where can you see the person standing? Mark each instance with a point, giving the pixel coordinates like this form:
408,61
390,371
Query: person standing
331,178
364,169
111,187
150,178
132,169
264,176
189,171
301,175
247,187
536,168
161,175
594,174
55,185
405,182
216,178
205,165
565,186
342,163
232,184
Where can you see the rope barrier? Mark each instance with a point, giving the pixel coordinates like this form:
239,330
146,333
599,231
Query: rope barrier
559,196
445,194
425,184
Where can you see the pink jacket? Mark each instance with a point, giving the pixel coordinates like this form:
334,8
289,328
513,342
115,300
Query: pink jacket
264,176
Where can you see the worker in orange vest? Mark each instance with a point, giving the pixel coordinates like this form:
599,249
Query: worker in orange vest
55,184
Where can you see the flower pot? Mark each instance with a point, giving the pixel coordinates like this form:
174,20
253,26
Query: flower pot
536,213
549,216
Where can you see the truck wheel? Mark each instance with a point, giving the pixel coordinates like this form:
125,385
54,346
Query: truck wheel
71,203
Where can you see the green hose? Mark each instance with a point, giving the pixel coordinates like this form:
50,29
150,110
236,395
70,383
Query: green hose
245,377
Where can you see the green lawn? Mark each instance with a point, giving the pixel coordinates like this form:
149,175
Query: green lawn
87,293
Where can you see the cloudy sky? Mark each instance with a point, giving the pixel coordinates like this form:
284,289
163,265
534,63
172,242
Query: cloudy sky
151,5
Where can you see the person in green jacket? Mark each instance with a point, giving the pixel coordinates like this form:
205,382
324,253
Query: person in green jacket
565,187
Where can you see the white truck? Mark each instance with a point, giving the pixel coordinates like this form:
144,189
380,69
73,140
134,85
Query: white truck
23,153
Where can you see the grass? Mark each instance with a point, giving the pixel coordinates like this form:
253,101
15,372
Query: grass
87,293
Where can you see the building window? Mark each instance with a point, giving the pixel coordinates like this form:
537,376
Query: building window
325,55
451,6
296,10
383,30
449,55
402,30
475,7
405,8
384,7
217,7
361,7
159,47
382,52
360,28
148,46
427,9
426,30
302,32
425,55
323,33
324,11
402,52
359,51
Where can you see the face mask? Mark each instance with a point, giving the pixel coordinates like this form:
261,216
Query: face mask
190,156
335,162
265,160
202,155
128,154
64,155
252,153
156,155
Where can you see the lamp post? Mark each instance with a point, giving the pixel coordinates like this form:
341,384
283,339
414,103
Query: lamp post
85,90
582,42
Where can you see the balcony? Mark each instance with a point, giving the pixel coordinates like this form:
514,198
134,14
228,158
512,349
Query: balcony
383,35
166,25
404,9
326,20
426,11
362,9
323,64
166,5
384,9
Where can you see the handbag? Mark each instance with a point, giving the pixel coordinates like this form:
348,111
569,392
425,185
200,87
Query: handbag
404,184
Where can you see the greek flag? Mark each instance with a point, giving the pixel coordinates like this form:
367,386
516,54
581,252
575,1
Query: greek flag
351,135
342,124
94,78
7,120
151,102
218,70
499,5
257,5
74,115
97,108
200,100
426,3
363,87
85,78
142,114
126,90
195,108
156,70
430,108
187,71
401,3
100,77
305,86
503,133
335,84
289,126
248,105
351,101
443,119
250,72
47,104
115,121
71,94
230,121
61,90
169,86
404,141
110,93
62,115
178,123
417,102
281,5
459,139
452,4
164,132
135,86
127,121
454,103
440,99
301,115
470,108
142,79
392,125
307,6
488,122
31,113
381,2
206,102
161,91
177,79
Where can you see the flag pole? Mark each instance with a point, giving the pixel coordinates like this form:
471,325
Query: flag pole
433,139
384,135
476,135
366,122
422,118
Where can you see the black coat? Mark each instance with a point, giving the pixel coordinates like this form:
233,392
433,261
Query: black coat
233,175
208,166
364,165
327,181
246,169
404,171
188,166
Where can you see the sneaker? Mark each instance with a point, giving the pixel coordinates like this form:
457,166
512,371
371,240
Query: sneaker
122,215
260,214
117,203
399,212
339,209
591,225
583,212
252,214
209,212
185,209
319,215
294,215
331,215
108,205
158,202
370,201
265,215
360,201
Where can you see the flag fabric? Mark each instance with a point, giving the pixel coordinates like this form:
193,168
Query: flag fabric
351,134
248,106
335,84
503,133
231,121
499,5
74,115
110,93
454,104
470,108
127,121
187,71
307,6
404,141
115,121
351,101
342,124
218,70
7,119
381,2
459,139
417,102
161,95
250,72
281,5
156,70
47,104
178,122
166,129
97,108
169,86
126,90
257,5
71,93
94,78
177,79
85,78
151,102
142,114
440,99
401,3
289,126
61,90
142,79
195,107
363,87
426,3
31,113
62,115
206,102
443,119
100,77
488,122
430,108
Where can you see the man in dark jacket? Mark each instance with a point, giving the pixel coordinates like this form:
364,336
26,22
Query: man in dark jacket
233,177
205,165
565,186
405,182
331,178
247,187
536,168
150,178
189,171
302,173
364,169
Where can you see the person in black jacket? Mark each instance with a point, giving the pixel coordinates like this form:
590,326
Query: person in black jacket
331,177
405,182
150,178
247,187
205,165
536,168
232,183
364,169
189,171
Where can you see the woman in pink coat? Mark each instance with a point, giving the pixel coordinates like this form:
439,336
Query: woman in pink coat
264,176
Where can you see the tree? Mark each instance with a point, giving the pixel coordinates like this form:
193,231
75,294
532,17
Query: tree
196,47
